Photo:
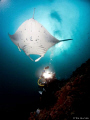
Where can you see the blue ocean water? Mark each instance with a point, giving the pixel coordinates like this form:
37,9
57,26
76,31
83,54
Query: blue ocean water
63,19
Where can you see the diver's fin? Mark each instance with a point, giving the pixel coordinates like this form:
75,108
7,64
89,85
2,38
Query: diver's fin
44,89
65,40
40,92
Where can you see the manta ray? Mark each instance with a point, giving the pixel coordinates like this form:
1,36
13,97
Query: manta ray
33,38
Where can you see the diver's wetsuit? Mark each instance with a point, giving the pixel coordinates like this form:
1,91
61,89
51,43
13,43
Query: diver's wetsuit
48,98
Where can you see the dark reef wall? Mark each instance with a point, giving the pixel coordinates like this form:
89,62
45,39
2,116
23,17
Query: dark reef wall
73,98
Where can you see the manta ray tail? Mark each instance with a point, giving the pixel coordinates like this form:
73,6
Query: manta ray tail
34,12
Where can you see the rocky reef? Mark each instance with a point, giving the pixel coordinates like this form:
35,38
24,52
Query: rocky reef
69,101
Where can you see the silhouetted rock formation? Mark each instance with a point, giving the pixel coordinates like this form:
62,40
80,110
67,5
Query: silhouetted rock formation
72,99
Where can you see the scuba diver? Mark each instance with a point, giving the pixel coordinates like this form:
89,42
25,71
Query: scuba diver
46,77
48,85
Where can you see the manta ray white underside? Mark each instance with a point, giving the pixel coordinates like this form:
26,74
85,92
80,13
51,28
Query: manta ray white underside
33,38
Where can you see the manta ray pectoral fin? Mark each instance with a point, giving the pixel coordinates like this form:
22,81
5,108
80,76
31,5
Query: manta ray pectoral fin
19,48
65,40
11,37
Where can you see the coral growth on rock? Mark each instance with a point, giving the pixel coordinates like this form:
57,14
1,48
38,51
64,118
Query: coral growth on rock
72,99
